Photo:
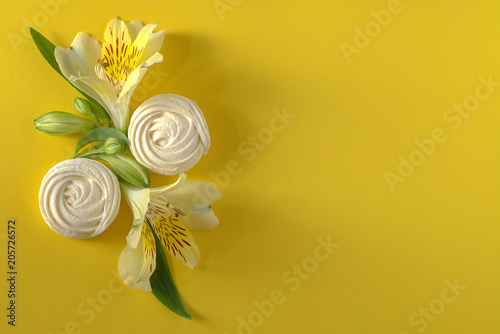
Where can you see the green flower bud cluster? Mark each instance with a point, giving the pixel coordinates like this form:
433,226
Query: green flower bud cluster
109,143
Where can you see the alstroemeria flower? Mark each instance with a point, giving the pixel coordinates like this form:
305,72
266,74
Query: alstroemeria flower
172,211
110,73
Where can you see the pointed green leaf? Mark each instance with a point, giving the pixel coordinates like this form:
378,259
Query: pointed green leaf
47,50
97,146
100,134
162,283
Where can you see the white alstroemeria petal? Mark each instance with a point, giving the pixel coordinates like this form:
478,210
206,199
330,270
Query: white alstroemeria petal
105,91
134,27
137,198
194,199
165,189
134,235
80,60
194,196
144,285
154,45
203,222
136,75
130,267
107,94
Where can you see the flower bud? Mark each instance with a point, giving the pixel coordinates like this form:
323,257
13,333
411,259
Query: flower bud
112,145
127,168
83,107
58,123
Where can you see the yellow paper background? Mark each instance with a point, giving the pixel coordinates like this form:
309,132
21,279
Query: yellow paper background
319,176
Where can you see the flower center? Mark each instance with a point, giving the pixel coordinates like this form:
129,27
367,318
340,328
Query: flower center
119,58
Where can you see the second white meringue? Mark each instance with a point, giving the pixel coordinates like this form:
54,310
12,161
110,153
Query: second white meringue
168,134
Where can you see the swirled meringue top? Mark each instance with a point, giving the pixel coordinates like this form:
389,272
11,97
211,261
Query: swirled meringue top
168,134
79,198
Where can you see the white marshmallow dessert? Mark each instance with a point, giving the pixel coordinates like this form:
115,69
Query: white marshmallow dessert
168,134
79,198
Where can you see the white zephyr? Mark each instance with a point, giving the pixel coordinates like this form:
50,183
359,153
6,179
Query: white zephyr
79,198
168,134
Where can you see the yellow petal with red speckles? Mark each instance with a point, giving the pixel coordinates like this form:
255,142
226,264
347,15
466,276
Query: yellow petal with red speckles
116,59
149,247
176,239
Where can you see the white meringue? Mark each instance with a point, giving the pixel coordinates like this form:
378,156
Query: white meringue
79,198
168,134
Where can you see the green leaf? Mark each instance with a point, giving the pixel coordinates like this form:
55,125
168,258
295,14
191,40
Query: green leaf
47,50
97,146
100,134
162,283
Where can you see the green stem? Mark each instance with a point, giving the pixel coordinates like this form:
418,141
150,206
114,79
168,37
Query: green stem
90,153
